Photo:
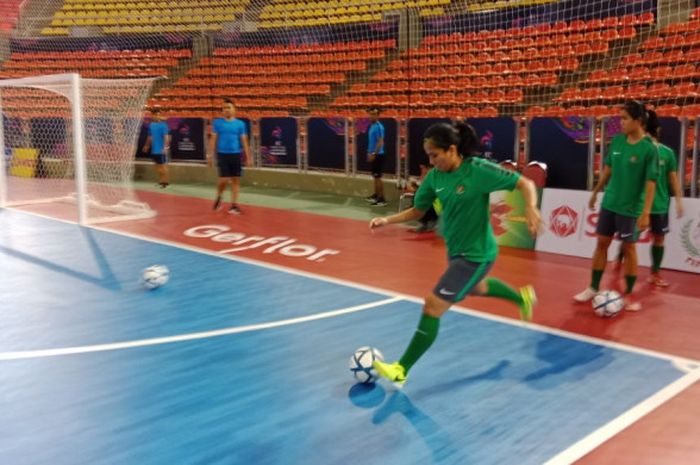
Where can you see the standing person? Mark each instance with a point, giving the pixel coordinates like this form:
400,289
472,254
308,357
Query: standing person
375,156
462,183
229,142
158,145
631,167
668,177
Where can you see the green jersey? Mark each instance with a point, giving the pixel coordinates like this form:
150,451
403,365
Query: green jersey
632,166
667,164
464,196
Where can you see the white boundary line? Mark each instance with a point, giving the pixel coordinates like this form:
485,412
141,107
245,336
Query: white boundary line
191,336
612,428
682,363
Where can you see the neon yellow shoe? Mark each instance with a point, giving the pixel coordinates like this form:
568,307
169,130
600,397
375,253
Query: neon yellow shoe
394,372
529,301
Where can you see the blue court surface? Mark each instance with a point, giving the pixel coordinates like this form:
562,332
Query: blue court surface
269,388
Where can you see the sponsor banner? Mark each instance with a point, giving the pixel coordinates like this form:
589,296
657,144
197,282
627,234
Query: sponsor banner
278,141
570,230
508,220
187,139
562,143
496,137
326,143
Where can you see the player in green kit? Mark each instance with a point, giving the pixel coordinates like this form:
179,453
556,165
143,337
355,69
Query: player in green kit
462,183
630,173
668,178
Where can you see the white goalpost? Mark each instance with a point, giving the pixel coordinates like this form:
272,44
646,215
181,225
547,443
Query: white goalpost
67,146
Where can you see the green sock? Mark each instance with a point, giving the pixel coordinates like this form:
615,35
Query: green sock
595,279
422,340
657,254
630,280
497,288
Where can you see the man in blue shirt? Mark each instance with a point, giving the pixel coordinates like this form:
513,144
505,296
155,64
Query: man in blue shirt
229,142
158,145
375,156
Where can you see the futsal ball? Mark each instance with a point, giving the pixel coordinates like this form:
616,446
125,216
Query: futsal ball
608,303
361,364
155,276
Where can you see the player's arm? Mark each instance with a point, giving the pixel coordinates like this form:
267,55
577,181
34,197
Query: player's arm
651,175
212,148
650,190
423,199
407,215
380,144
604,178
532,214
246,150
676,191
147,145
166,147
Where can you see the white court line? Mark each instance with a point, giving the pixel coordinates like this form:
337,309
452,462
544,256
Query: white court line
607,431
683,363
191,336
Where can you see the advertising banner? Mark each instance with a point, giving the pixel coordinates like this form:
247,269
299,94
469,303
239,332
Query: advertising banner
278,142
570,230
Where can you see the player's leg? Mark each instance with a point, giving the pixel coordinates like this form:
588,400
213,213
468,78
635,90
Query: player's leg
224,166
606,231
659,229
456,283
235,190
377,167
627,226
236,172
525,297
162,170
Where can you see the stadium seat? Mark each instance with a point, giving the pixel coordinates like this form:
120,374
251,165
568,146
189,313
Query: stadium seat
536,171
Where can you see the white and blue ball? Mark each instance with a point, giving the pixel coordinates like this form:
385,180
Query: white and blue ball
361,364
155,276
608,304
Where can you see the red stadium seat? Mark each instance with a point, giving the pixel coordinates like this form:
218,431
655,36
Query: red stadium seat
668,110
646,19
629,20
534,111
537,172
577,25
570,94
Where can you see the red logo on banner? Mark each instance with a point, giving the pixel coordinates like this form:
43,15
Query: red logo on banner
499,213
563,221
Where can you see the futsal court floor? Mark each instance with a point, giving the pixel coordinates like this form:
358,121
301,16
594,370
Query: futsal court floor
241,358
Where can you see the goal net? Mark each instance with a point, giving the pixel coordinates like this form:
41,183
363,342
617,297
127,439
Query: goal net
69,146
568,59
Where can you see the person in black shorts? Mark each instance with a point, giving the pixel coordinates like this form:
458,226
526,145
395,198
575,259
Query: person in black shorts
229,142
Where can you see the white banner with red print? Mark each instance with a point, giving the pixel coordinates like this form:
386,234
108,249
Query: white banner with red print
570,230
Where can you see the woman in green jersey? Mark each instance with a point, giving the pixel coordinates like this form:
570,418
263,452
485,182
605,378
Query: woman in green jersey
462,183
629,178
658,220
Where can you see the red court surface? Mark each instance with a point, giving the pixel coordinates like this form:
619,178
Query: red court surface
397,260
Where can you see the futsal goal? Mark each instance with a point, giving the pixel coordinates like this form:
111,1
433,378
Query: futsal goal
68,146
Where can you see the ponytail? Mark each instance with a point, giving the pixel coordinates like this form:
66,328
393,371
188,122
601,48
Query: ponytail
462,135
